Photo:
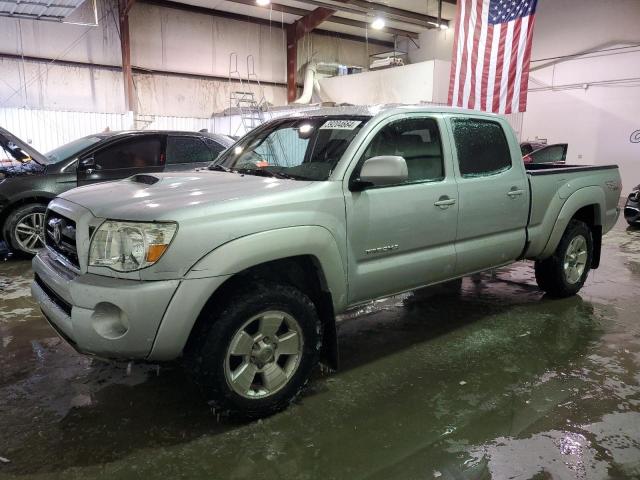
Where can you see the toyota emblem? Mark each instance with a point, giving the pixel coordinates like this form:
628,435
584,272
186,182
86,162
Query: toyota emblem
57,233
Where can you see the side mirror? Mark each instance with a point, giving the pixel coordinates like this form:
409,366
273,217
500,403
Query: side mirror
87,165
86,162
380,171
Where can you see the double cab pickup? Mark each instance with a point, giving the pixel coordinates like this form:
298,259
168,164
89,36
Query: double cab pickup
241,268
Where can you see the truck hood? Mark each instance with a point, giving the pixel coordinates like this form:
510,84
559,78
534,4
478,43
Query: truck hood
172,195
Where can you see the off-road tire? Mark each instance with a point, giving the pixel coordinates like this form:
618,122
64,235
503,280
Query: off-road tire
550,272
206,351
12,221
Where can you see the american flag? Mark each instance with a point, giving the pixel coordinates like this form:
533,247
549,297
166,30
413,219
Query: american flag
491,55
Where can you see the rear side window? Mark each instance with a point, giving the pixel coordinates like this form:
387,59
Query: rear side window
215,147
187,150
137,153
482,147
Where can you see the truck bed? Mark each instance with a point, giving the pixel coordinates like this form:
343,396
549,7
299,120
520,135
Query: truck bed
551,185
553,168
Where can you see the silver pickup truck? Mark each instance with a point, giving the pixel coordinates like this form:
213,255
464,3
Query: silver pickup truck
241,268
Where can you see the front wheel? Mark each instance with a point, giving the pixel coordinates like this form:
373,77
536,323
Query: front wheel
254,355
24,228
564,273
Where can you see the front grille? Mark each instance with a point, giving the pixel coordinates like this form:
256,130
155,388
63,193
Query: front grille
61,236
55,298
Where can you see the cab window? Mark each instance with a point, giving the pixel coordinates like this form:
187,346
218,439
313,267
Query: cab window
417,140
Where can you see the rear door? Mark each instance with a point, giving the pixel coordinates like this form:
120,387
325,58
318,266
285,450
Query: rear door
123,158
186,152
493,194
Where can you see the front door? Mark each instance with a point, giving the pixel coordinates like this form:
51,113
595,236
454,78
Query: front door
123,158
494,195
402,236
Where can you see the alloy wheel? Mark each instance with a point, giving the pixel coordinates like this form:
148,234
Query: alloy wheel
264,354
29,232
575,259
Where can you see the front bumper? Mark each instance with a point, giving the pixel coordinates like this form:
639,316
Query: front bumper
632,211
104,316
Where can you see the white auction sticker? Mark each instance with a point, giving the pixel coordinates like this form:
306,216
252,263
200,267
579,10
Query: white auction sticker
340,124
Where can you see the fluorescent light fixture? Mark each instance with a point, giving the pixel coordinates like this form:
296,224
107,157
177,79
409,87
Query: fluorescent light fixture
444,27
378,23
263,3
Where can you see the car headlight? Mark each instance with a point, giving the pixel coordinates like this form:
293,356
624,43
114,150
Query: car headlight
129,246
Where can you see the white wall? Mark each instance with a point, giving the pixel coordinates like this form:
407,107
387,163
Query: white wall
596,121
591,101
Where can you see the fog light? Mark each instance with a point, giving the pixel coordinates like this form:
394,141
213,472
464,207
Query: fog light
109,321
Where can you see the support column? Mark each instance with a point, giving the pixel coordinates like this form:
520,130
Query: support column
292,62
125,47
295,32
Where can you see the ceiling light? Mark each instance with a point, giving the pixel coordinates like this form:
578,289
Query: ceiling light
444,27
378,23
263,3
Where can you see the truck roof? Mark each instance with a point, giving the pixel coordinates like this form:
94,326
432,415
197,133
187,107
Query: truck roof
385,110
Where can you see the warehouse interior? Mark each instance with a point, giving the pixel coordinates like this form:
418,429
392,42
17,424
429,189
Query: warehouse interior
484,372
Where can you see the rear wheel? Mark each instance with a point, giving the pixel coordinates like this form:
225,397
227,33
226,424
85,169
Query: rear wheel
254,355
24,228
564,273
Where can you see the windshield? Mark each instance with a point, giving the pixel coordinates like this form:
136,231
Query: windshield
71,149
300,148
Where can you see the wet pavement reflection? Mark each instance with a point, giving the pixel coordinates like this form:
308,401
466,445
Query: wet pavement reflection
496,381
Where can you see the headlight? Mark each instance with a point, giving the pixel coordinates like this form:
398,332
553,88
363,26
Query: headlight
129,246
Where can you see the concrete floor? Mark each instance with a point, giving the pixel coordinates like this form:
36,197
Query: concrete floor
498,382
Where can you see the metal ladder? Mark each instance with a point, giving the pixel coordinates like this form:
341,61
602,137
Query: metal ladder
244,99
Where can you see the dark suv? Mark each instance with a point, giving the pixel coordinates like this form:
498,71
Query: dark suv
632,207
30,179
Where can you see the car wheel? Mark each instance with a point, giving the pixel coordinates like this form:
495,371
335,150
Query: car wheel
253,356
24,228
564,273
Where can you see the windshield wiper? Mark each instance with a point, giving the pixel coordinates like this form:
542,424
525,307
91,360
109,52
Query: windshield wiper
219,168
260,172
289,176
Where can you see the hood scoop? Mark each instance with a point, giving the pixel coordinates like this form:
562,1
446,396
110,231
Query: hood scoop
145,179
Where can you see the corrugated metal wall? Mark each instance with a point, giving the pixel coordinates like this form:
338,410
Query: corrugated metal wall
47,129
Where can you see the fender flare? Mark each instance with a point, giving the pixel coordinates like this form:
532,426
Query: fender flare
583,197
258,248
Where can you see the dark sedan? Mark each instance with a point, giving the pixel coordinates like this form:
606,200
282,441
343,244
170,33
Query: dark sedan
632,208
30,179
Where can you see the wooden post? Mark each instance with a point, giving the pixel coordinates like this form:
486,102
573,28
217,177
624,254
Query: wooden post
295,32
125,47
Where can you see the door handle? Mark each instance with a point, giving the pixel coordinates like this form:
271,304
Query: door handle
515,193
445,202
